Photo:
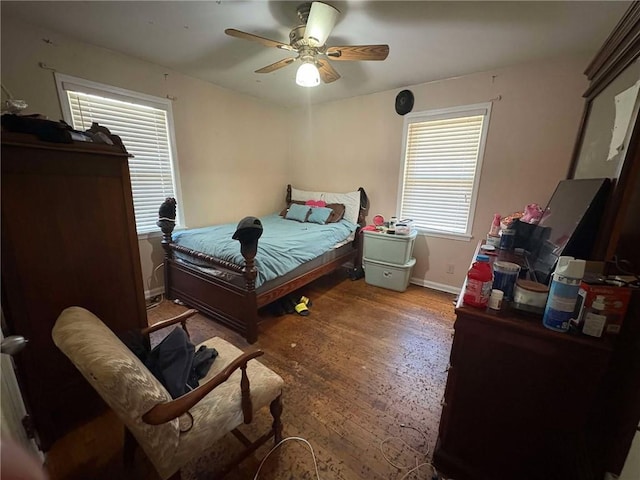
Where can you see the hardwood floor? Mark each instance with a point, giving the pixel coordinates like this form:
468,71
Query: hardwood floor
365,361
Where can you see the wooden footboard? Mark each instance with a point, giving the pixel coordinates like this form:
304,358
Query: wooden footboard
233,306
226,291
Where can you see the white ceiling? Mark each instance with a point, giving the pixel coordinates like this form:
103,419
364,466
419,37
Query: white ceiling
427,40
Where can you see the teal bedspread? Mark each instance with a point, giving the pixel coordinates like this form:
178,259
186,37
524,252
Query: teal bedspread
284,245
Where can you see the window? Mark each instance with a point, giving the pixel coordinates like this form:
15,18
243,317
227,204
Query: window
145,125
442,159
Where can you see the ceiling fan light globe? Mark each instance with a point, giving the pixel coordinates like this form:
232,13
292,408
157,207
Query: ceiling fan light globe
308,75
322,19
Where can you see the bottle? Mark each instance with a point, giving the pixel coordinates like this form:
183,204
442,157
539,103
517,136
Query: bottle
495,225
563,293
479,281
595,319
495,300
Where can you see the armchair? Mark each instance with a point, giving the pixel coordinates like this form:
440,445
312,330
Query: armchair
171,432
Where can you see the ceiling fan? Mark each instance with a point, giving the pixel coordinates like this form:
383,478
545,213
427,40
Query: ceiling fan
308,41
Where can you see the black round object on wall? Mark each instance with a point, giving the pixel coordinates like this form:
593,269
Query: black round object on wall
404,102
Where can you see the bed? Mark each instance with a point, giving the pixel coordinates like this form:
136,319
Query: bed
229,282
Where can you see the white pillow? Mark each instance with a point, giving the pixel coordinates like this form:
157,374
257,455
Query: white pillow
351,202
303,195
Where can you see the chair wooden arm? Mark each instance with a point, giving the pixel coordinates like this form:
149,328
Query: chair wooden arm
182,318
165,412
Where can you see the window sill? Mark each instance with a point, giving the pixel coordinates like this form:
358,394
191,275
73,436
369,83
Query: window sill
156,233
148,235
461,237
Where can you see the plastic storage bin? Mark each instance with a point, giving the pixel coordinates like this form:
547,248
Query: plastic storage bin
388,275
383,247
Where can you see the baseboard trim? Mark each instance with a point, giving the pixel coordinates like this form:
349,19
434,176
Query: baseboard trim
435,285
154,292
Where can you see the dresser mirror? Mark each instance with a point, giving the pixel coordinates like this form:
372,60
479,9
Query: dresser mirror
608,127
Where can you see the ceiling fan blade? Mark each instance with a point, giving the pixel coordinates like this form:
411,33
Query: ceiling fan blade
275,66
322,19
255,38
327,73
358,52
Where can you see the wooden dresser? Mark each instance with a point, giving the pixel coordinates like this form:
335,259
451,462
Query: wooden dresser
519,399
68,238
522,401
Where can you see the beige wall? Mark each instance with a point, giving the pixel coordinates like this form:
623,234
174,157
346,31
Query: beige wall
358,142
231,148
236,153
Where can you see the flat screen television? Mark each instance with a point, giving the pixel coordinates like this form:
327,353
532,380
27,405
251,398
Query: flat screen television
568,225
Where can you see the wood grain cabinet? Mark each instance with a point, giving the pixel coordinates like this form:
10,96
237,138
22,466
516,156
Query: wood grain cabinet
519,400
68,238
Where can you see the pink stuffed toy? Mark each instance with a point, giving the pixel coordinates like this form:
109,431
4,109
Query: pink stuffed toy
532,214
316,203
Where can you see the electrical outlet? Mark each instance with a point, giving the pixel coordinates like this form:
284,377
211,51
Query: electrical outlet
450,268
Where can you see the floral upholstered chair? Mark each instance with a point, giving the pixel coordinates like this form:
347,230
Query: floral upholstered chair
170,431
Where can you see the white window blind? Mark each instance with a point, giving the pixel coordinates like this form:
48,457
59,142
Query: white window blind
145,132
442,159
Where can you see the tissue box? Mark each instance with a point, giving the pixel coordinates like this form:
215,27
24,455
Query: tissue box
405,227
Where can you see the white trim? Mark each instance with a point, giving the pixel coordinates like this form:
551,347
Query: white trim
148,235
441,114
177,189
476,180
435,285
68,82
154,292
449,112
12,408
461,237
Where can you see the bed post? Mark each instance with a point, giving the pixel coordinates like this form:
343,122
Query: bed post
249,250
167,222
288,194
248,232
